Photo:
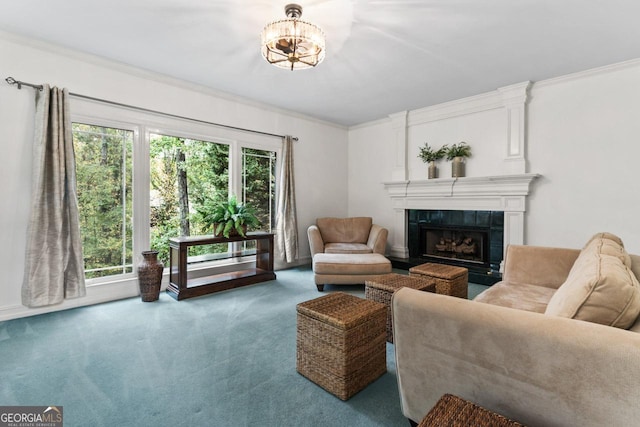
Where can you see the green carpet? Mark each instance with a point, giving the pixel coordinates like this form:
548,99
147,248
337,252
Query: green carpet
225,359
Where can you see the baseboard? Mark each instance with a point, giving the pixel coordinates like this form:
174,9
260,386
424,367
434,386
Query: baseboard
96,294
113,291
279,265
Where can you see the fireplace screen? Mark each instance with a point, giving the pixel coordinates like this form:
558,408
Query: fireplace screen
464,245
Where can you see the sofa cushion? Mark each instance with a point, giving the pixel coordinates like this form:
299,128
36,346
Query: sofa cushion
347,248
522,296
600,287
636,326
345,230
522,265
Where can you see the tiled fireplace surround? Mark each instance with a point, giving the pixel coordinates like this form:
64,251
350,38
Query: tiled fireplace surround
505,193
471,239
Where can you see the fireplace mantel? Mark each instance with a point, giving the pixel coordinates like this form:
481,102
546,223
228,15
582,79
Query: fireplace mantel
493,193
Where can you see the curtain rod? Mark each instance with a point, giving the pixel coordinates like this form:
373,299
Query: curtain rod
19,83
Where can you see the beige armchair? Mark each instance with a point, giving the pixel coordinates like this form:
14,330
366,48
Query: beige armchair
357,235
347,250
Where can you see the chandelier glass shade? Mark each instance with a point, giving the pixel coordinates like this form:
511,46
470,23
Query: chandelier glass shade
291,43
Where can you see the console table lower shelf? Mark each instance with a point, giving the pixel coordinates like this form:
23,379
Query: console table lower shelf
219,282
181,287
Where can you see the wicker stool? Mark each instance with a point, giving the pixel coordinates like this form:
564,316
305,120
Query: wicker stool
450,280
452,411
340,342
381,289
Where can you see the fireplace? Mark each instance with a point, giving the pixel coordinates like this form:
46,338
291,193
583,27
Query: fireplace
455,243
497,202
471,239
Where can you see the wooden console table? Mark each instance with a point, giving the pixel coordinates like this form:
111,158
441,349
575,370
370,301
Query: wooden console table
181,287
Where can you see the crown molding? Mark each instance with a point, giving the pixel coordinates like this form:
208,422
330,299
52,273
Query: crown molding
154,76
381,121
606,69
499,98
459,107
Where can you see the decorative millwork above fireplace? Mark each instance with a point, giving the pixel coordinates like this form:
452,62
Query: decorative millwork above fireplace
503,122
505,193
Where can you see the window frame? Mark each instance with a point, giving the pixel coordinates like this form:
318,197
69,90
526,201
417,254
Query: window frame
98,121
143,124
241,183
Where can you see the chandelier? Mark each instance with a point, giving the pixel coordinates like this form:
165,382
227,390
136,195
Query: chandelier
291,43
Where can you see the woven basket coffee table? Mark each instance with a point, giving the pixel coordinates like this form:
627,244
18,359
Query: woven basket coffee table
340,342
450,280
453,411
381,289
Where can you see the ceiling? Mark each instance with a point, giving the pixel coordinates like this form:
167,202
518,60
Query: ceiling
383,56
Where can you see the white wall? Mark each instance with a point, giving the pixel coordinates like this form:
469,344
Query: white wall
320,154
583,137
371,151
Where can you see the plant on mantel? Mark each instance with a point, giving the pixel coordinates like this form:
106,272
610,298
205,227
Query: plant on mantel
228,218
458,150
430,155
457,153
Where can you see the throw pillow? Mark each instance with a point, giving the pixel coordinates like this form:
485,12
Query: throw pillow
610,245
605,235
600,288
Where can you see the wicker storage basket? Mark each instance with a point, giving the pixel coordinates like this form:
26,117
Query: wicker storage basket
453,411
450,280
381,289
340,342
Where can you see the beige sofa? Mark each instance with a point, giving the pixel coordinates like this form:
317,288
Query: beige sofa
518,348
347,250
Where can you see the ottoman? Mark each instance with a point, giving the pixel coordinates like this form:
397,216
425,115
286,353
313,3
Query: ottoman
450,280
454,411
381,289
340,343
348,269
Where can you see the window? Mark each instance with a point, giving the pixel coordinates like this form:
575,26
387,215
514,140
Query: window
187,175
104,183
140,184
259,184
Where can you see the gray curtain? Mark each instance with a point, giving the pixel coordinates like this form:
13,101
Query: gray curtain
287,222
54,268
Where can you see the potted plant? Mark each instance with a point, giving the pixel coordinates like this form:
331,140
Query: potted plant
431,156
457,153
229,218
